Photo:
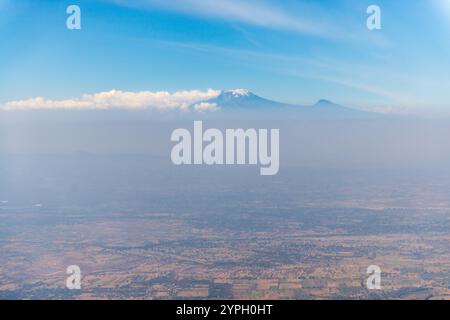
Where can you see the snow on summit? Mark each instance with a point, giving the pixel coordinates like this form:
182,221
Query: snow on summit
239,92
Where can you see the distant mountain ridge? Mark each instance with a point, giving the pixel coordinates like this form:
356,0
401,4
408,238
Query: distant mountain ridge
244,100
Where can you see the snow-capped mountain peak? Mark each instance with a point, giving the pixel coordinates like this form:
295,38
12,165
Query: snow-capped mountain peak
239,92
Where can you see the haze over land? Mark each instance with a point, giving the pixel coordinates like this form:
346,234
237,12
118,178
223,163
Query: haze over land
97,188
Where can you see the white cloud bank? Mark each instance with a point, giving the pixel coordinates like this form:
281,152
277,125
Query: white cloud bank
116,99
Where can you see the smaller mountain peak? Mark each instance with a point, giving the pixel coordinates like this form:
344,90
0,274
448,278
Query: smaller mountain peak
324,101
239,92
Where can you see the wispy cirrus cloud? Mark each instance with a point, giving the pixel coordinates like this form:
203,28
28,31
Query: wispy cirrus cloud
116,99
253,12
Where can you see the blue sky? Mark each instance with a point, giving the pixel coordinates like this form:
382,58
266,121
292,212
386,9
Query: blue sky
292,51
